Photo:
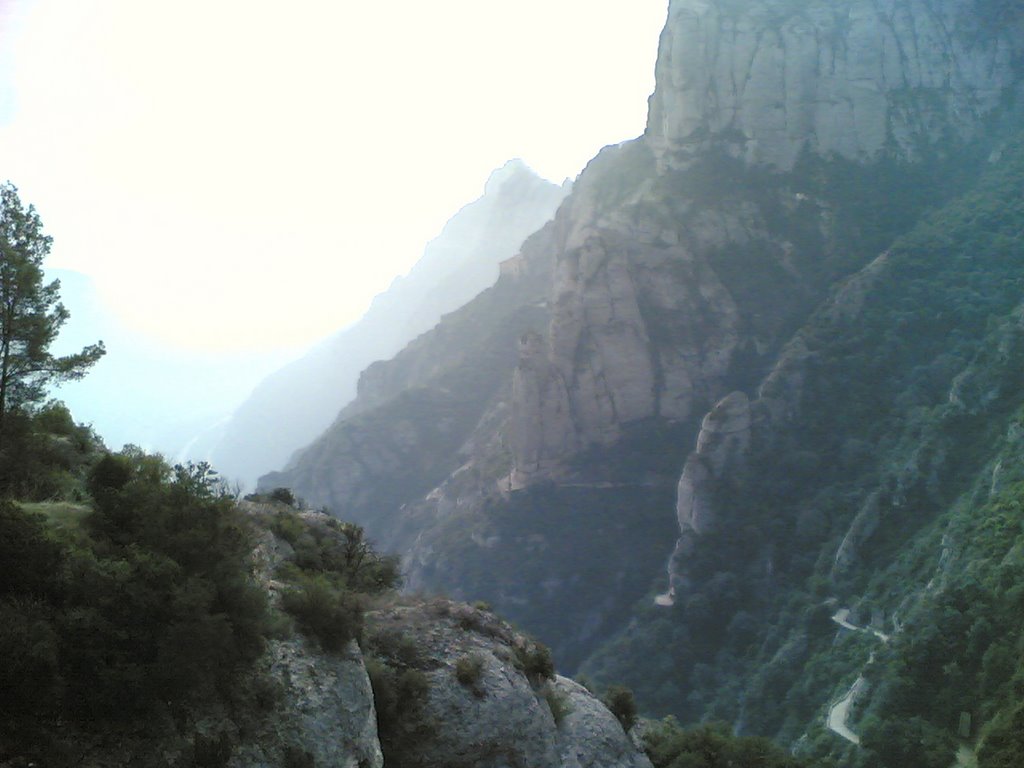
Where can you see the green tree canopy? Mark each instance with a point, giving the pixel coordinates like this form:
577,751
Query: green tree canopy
31,314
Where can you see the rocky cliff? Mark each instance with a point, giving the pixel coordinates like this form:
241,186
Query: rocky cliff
485,705
300,401
771,79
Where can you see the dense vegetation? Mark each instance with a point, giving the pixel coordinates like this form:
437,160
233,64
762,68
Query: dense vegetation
712,746
332,573
588,537
138,609
31,316
890,492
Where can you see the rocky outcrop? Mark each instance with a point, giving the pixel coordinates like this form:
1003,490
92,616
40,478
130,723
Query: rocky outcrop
325,711
643,323
541,425
487,709
313,706
769,79
722,446
417,417
298,402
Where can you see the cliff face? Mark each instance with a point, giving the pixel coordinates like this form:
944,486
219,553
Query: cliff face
484,707
298,402
418,416
767,80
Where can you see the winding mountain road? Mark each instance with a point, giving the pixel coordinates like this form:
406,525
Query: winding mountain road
839,712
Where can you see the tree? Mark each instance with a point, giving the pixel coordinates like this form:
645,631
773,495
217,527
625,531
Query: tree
31,314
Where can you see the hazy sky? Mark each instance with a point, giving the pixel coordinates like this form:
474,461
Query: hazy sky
240,173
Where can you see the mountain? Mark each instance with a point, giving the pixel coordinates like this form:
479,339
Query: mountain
774,344
299,401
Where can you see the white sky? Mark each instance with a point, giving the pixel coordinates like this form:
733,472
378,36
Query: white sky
240,174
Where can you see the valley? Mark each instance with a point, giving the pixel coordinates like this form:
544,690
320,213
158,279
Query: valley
730,430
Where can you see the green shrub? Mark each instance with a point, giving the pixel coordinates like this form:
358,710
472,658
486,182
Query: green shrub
31,560
396,648
558,703
109,475
713,744
399,696
283,496
333,616
266,692
622,704
535,661
29,667
338,550
469,670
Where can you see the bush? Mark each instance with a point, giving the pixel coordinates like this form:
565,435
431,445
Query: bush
331,615
558,703
468,671
29,667
338,550
109,475
535,660
396,648
31,561
712,744
621,703
282,495
399,696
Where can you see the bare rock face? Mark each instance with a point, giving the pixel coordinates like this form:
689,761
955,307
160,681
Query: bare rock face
326,711
589,735
500,716
770,78
641,325
321,705
541,424
725,432
722,444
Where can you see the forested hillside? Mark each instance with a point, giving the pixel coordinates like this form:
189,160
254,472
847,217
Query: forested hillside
887,489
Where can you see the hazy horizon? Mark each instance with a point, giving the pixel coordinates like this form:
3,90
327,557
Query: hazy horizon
274,171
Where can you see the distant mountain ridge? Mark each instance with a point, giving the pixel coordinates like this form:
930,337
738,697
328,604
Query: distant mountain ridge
296,403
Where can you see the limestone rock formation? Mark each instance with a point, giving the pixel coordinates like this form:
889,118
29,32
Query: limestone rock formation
322,708
541,423
416,415
722,445
500,715
298,402
325,712
770,79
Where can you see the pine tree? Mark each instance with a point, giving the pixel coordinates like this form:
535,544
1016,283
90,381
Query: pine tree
31,314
